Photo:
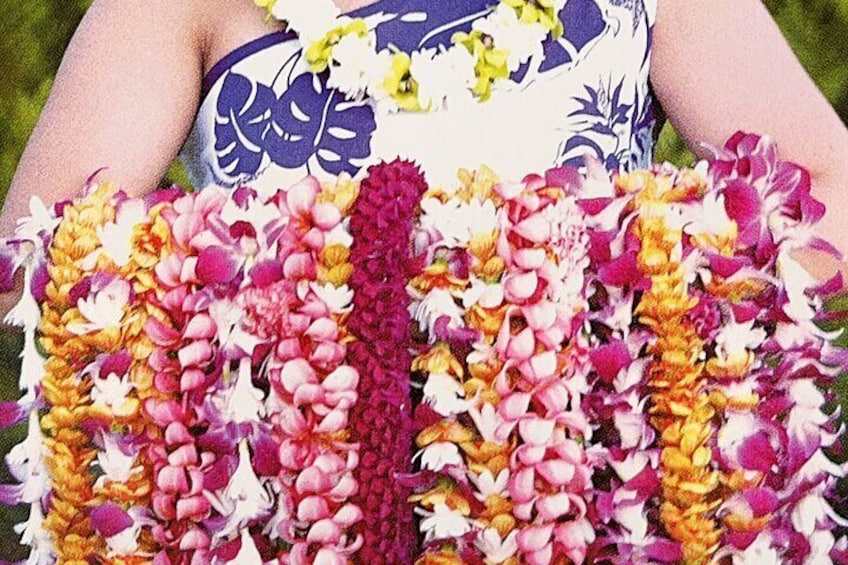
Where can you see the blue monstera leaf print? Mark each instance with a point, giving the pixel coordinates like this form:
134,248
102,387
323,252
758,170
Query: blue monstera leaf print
310,121
243,118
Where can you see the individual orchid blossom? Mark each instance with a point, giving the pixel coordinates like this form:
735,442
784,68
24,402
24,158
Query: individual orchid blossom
116,238
125,543
103,308
449,219
482,293
438,455
26,313
338,299
244,498
443,523
228,316
497,549
32,365
445,395
34,534
26,462
243,402
797,281
40,221
488,485
709,223
112,392
437,303
115,463
736,341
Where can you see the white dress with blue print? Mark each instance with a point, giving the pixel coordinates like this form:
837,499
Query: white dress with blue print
267,121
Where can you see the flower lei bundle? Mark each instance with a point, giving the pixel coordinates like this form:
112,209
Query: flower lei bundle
426,80
703,387
569,369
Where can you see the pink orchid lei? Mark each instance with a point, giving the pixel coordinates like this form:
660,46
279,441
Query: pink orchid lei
192,456
381,225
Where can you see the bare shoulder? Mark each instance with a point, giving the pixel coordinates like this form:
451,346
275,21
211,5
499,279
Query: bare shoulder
212,28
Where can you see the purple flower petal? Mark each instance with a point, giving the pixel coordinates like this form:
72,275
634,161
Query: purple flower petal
11,495
242,196
59,207
266,273
266,460
216,265
109,520
80,290
218,475
609,359
8,266
118,364
563,177
726,266
40,279
165,195
741,202
664,550
13,413
762,501
594,206
756,453
741,540
241,229
621,271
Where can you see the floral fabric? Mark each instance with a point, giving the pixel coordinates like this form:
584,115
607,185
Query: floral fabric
266,120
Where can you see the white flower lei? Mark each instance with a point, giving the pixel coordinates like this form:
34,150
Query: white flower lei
441,78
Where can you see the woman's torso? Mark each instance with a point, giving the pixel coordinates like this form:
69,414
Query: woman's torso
265,120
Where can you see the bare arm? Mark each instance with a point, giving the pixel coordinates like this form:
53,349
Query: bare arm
722,66
124,97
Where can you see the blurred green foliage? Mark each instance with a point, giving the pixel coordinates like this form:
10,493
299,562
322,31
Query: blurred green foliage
34,34
817,30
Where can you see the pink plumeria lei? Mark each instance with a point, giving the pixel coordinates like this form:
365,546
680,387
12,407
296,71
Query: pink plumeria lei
544,245
312,387
381,224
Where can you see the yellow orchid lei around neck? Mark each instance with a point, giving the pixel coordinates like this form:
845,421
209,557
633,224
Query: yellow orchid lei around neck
346,48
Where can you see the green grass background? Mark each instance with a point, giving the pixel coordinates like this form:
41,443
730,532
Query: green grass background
34,34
